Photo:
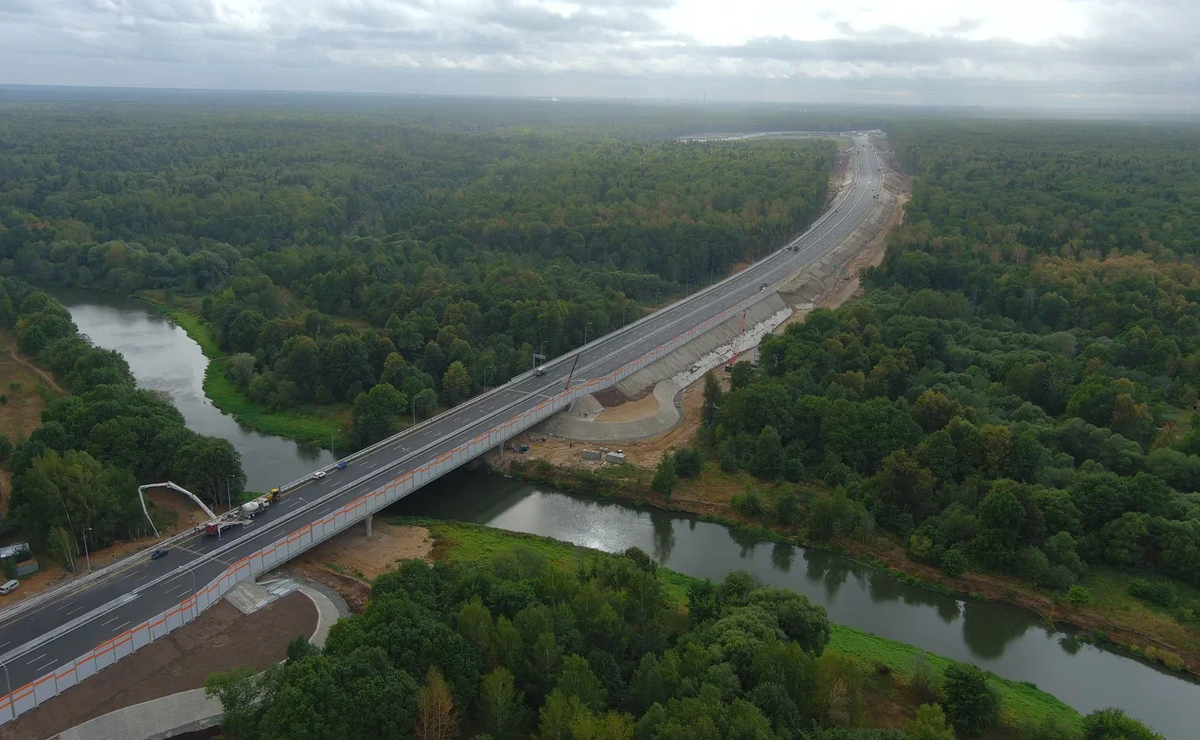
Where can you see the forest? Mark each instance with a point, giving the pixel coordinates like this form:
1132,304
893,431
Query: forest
1016,391
78,474
519,645
335,252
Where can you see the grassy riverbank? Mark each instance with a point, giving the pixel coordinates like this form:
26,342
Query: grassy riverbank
887,663
1114,617
310,423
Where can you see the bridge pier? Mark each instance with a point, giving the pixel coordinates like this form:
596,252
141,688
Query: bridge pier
368,522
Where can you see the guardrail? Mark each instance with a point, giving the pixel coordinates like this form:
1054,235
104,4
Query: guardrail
108,652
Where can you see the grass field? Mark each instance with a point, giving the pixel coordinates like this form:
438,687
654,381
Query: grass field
1022,703
1110,594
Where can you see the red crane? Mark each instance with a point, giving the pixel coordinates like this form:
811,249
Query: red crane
733,358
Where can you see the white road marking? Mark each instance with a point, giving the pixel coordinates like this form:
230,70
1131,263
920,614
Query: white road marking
104,624
34,660
7,643
120,626
74,610
45,666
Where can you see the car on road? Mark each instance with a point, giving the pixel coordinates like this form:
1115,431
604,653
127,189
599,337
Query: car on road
540,371
317,475
9,586
341,465
159,553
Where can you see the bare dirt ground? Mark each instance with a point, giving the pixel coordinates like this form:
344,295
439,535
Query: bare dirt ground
219,640
348,562
630,410
21,413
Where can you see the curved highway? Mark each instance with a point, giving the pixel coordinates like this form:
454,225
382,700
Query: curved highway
73,620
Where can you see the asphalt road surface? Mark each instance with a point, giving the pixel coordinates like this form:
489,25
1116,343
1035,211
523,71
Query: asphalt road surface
76,620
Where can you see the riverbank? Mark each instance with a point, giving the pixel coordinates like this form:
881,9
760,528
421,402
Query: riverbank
887,664
309,424
1113,619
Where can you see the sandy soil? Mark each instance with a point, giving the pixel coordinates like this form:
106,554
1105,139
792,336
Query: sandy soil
219,640
21,415
642,408
349,561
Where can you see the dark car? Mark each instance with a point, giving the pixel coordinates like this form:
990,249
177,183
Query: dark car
159,553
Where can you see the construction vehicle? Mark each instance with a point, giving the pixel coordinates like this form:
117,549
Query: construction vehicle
232,519
242,515
274,496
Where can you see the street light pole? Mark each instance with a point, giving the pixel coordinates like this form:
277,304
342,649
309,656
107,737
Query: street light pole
8,682
228,493
414,409
85,549
585,328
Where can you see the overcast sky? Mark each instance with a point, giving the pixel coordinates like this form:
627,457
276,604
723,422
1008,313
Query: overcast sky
1109,54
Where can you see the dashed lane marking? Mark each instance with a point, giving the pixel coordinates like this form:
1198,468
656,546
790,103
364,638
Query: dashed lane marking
46,665
31,661
102,624
120,627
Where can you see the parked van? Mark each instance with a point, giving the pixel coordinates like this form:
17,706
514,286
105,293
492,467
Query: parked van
10,586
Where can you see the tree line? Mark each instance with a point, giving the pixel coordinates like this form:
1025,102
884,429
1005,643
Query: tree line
597,650
77,475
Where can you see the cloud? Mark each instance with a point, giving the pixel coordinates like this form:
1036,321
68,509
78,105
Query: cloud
1027,51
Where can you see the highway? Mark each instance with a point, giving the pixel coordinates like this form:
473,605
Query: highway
75,620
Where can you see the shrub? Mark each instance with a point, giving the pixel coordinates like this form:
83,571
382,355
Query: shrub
1079,596
954,562
688,462
1161,593
749,504
925,679
971,702
1166,657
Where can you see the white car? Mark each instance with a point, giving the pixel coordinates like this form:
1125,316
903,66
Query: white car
317,475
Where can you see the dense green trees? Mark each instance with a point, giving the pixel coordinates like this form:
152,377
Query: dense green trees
80,470
1006,396
595,649
460,253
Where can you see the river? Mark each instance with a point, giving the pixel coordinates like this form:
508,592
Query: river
164,358
1009,641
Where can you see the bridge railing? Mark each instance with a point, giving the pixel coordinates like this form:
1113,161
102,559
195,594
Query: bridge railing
30,695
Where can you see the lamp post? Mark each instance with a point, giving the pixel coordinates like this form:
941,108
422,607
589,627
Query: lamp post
228,493
8,682
86,554
585,331
414,409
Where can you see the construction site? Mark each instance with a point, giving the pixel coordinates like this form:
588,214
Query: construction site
658,407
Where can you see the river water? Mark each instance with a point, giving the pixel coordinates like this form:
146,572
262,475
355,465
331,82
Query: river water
1009,641
164,358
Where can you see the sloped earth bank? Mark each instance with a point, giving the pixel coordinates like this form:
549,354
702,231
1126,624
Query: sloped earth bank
219,640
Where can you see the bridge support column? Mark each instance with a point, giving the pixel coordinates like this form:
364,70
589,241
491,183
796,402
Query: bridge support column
368,522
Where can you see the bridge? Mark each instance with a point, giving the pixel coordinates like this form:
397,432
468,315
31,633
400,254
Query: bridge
52,641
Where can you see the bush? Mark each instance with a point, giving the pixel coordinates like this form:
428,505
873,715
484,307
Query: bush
971,702
688,462
6,447
1161,593
665,478
1079,596
1033,566
1166,657
749,504
925,679
1114,724
954,562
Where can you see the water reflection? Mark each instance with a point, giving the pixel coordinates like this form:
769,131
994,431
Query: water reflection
1009,641
782,557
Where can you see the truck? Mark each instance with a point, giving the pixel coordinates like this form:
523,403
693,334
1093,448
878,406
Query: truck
232,519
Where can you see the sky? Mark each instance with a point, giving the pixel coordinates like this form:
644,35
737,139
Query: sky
1096,54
